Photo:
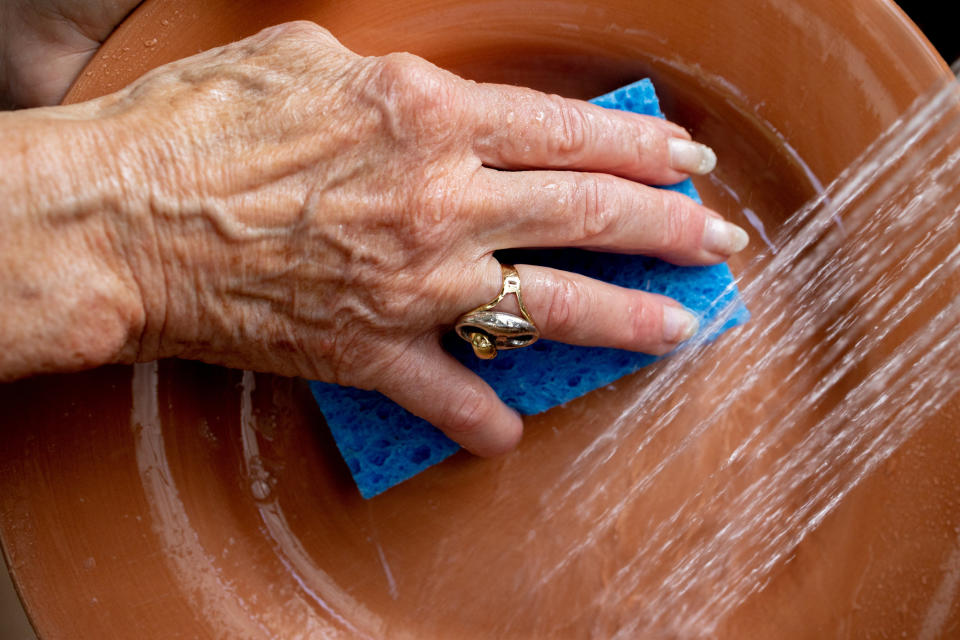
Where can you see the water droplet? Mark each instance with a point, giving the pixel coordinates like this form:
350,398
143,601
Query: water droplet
260,489
261,480
150,43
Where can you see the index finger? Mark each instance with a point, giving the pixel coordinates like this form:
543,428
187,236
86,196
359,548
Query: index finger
525,129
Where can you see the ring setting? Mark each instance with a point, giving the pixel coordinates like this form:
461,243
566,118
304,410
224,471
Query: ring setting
489,331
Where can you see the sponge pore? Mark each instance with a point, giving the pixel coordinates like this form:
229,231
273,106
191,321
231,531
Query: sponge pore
383,444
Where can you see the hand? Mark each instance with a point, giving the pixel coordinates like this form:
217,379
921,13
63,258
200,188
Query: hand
292,207
48,42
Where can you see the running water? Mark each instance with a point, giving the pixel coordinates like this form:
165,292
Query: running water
854,344
864,352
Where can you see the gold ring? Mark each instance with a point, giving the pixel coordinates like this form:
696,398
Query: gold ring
488,330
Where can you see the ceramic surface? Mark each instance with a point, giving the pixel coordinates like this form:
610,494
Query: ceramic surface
185,500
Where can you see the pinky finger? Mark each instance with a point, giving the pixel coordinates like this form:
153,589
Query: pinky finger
437,388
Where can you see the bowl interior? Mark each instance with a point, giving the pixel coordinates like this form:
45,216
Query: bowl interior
181,497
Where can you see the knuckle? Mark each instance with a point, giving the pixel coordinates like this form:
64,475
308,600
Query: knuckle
415,90
644,324
595,204
301,30
648,138
433,209
401,306
679,228
563,307
573,128
298,44
398,68
468,413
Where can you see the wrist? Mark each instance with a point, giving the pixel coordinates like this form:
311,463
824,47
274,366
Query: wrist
71,298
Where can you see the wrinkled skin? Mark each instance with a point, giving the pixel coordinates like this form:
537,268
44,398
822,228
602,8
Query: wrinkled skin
284,205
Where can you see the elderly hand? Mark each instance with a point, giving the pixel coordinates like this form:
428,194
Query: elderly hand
284,205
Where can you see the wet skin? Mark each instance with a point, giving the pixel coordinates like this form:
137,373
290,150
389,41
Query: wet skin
282,204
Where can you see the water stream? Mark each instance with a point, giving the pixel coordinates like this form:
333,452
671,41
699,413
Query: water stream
865,352
854,344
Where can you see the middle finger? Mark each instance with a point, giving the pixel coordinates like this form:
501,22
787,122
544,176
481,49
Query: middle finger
603,212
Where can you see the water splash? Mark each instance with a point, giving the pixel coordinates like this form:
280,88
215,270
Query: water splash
866,351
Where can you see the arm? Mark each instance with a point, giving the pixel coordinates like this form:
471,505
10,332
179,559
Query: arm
69,298
284,205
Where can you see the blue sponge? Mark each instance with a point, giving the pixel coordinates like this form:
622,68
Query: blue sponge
383,444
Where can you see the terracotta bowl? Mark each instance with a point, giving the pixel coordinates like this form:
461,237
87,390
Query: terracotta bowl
184,500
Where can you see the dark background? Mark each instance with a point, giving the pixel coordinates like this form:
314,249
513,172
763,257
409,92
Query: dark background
936,19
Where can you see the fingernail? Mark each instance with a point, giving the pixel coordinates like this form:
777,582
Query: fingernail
691,157
720,236
678,324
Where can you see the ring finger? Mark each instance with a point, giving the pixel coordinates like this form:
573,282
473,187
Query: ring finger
571,308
